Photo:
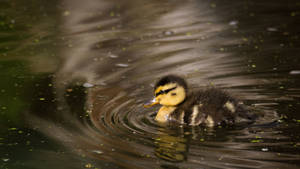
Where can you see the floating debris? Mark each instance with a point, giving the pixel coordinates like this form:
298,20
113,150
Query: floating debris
271,29
264,104
213,5
286,33
69,90
112,13
295,72
168,33
233,23
122,65
97,151
188,34
66,13
245,39
112,55
255,141
12,129
264,149
5,159
293,13
87,85
88,165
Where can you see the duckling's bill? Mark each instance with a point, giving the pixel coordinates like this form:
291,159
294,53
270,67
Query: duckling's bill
153,102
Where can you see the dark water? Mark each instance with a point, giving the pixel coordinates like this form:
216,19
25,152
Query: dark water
74,77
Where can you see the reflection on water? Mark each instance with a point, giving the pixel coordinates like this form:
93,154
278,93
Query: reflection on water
171,148
74,77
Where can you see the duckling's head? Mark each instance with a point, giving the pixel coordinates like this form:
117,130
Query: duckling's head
169,91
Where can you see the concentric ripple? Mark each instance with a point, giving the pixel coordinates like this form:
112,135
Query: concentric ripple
122,133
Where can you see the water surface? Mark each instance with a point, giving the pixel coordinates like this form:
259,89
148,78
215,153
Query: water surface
75,76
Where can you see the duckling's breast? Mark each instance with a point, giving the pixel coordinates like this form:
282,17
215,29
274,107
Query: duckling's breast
163,115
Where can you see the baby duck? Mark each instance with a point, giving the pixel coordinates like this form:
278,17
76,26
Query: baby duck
209,107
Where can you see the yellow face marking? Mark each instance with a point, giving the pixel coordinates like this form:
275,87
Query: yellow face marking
165,87
172,98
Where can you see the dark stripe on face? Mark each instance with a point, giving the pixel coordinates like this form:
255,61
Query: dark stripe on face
164,91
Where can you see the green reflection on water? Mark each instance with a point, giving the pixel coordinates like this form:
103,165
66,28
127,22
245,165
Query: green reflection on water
26,54
13,81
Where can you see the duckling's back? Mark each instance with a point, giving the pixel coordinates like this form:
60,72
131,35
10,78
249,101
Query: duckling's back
209,107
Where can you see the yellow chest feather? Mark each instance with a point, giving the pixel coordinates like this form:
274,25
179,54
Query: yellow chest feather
164,113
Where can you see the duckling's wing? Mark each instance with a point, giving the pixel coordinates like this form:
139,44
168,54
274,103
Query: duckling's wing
189,111
210,107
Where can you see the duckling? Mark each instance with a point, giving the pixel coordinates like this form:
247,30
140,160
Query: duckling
208,107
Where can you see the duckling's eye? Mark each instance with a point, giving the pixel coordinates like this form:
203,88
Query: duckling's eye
173,94
159,93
